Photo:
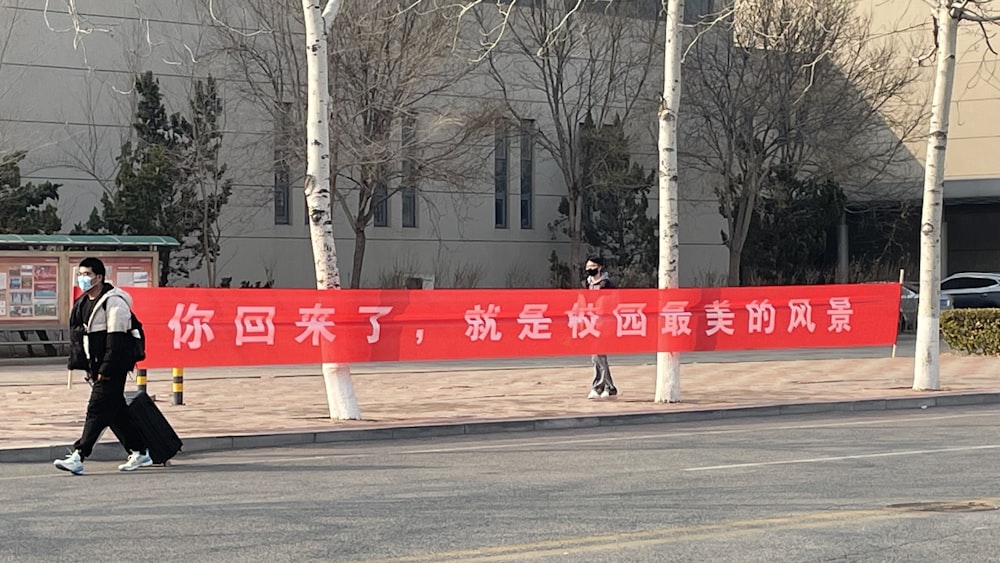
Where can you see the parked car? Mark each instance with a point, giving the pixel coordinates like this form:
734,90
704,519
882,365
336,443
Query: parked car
908,303
972,290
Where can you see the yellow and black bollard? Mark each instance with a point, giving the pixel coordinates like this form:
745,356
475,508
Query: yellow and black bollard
140,380
178,386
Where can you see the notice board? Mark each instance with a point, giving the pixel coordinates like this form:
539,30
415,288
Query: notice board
36,287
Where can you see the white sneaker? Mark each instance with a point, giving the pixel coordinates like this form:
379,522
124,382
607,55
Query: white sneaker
594,394
605,394
136,460
72,463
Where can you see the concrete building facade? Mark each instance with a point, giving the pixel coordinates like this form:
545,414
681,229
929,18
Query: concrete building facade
971,240
66,98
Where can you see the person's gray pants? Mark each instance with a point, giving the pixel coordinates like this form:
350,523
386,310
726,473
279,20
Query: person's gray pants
602,374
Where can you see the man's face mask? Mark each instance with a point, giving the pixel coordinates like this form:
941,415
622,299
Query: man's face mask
85,281
592,271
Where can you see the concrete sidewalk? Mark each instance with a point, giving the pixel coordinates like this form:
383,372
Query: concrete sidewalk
283,405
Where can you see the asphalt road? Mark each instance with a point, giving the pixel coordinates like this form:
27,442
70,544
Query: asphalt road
820,488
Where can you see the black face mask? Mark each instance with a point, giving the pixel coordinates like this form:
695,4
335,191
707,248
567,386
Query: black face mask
592,272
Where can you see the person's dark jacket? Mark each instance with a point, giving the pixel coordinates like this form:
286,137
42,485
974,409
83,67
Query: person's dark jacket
101,344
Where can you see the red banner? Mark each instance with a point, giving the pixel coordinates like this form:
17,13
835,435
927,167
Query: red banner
228,327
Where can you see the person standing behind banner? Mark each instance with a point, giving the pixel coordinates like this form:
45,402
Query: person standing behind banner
101,345
603,386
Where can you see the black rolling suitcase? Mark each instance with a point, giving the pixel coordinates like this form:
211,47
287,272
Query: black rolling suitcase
159,436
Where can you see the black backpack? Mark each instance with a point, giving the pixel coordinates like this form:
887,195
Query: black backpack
138,339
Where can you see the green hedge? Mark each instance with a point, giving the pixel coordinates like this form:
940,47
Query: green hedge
973,331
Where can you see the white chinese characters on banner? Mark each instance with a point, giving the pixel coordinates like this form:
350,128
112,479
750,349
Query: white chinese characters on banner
483,323
535,323
374,314
840,314
762,315
801,315
583,321
316,324
719,318
190,325
631,319
255,325
676,319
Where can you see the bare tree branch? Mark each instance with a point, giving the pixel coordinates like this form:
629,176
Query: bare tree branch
216,20
330,12
986,38
591,66
707,27
388,62
80,26
805,93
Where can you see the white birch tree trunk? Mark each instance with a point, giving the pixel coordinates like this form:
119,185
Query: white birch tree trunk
926,366
668,376
340,396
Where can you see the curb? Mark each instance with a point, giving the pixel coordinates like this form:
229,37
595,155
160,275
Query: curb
109,451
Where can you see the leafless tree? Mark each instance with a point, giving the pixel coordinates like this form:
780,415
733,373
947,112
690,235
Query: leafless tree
389,69
318,18
595,62
948,14
800,88
668,364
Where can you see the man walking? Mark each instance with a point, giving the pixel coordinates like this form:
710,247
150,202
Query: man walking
101,344
603,386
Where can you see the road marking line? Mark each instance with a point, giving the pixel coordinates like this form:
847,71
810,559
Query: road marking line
590,544
692,433
842,458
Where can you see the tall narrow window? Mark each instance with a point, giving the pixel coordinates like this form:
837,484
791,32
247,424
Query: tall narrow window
527,171
282,170
380,205
409,187
501,179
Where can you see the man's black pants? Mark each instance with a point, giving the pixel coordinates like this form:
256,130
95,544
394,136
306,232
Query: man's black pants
107,408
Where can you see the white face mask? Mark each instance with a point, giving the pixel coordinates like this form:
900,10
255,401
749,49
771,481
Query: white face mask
84,283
